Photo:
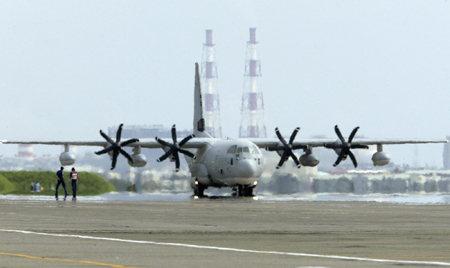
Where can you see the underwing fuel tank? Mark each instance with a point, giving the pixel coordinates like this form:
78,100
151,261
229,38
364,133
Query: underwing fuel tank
381,159
309,160
139,160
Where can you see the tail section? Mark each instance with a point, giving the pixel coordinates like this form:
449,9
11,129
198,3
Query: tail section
199,120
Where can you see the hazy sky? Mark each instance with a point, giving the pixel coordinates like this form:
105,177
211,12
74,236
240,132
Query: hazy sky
70,68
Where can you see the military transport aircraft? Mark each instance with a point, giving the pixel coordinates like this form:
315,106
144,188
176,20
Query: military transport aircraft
236,163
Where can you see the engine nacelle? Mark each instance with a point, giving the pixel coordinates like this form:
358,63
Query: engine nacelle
139,160
381,159
309,160
67,158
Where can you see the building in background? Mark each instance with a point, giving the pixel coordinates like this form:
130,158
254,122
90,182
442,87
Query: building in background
146,131
210,91
252,108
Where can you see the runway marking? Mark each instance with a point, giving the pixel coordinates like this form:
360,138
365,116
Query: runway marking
64,260
231,249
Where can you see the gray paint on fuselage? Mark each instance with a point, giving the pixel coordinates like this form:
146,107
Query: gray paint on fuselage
225,168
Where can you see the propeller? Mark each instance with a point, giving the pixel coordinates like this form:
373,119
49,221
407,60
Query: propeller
175,148
345,146
116,146
287,148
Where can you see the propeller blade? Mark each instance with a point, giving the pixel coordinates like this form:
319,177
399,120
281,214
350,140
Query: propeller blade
174,134
115,147
164,156
294,157
124,153
282,160
191,155
119,133
108,139
353,158
277,131
106,150
114,159
294,134
345,147
340,157
177,161
163,142
125,143
352,135
175,148
339,134
186,140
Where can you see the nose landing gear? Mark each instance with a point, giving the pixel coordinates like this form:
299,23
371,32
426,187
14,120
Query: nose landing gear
243,190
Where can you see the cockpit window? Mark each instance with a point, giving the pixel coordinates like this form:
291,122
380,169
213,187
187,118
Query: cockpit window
239,150
246,150
232,149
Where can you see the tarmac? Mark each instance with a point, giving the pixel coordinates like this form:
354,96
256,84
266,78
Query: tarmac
222,232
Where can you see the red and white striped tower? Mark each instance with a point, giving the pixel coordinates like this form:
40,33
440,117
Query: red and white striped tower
252,109
210,90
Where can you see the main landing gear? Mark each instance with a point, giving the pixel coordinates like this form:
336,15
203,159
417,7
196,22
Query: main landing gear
199,190
243,190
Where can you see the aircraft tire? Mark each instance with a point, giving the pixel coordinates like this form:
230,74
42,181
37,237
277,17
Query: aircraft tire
199,191
249,191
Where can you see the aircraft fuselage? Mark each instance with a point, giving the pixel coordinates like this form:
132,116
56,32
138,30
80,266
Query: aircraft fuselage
228,163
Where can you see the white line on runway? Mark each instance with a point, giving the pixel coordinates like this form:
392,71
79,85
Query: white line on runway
231,249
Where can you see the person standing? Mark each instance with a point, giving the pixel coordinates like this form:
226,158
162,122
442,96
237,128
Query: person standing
60,176
74,176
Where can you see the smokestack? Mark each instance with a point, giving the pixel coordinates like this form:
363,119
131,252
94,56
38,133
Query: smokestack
252,109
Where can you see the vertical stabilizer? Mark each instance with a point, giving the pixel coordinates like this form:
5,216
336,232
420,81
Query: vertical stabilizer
199,121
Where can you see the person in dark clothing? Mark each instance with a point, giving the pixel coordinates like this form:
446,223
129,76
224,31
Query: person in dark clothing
60,176
74,177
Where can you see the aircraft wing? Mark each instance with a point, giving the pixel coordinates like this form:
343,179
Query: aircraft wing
193,143
144,143
77,143
263,143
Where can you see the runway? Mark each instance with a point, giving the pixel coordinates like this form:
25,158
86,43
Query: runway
178,231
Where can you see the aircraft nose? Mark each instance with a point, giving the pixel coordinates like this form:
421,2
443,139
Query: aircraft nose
247,168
